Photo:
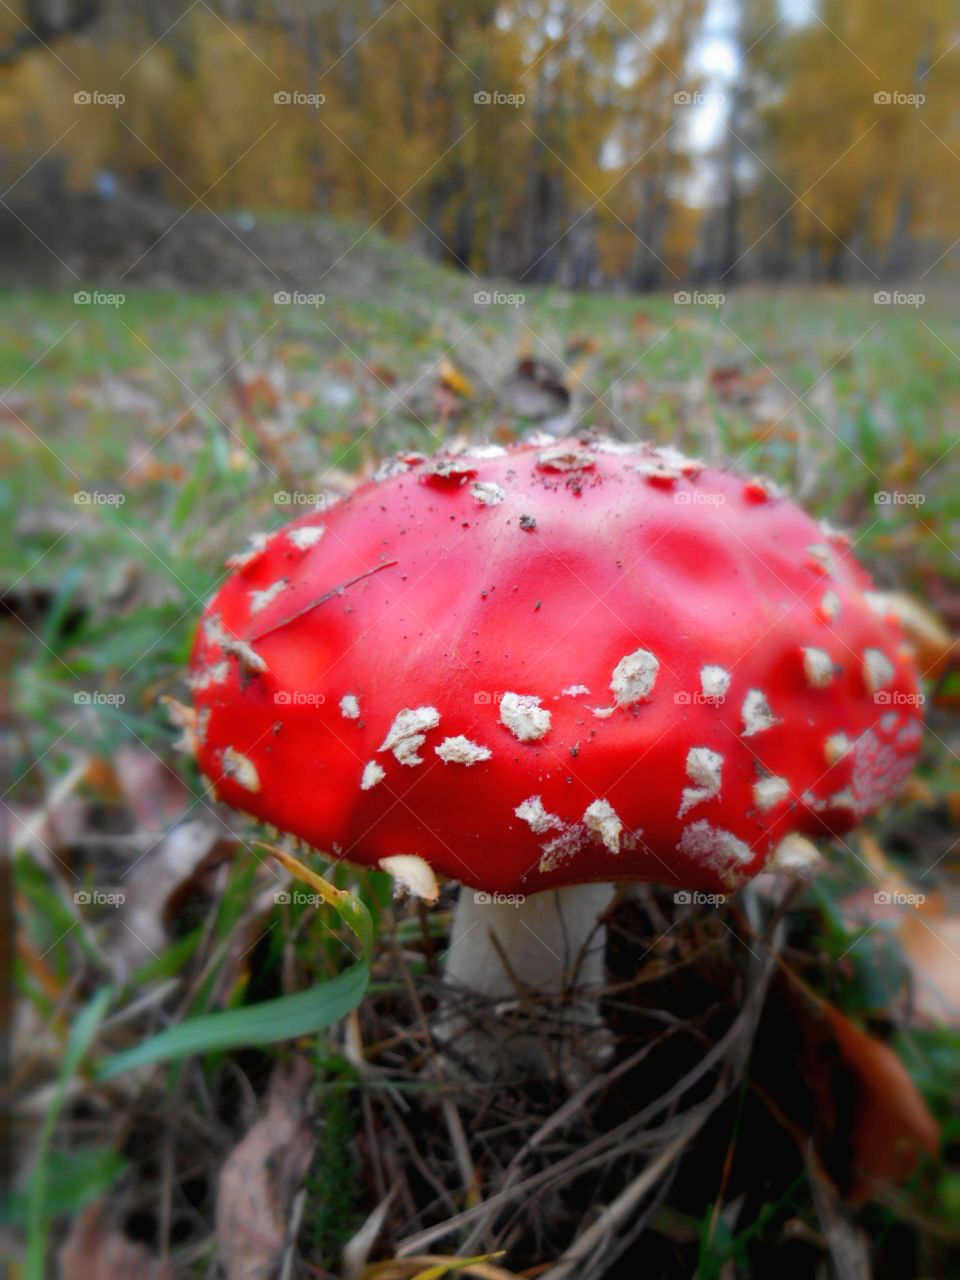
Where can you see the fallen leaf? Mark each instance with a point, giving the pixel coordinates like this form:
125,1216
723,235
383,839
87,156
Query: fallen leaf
867,1118
262,1175
891,1124
94,1249
453,380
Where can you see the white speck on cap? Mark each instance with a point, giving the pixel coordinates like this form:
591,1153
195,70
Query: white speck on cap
830,604
533,813
878,602
485,451
248,658
524,717
770,791
574,690
818,668
634,677
822,556
877,669
412,874
372,774
260,599
890,721
756,714
240,768
836,747
408,731
564,458
601,820
461,750
564,847
797,855
306,536
257,543
487,492
206,676
713,846
704,768
714,681
603,713
350,706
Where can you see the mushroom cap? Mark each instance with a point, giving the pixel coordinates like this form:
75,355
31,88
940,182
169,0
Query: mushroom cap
555,663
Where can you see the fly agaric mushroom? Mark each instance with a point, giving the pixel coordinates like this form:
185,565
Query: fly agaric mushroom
542,669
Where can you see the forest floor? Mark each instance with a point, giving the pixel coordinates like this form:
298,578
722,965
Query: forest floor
147,434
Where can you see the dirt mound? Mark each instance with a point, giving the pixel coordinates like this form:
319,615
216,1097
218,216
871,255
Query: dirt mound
128,239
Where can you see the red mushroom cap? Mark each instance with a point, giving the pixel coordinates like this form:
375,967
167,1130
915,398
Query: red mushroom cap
563,662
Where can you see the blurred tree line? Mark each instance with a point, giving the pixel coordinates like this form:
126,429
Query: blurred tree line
537,139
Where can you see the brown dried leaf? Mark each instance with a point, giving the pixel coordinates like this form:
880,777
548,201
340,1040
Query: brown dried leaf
262,1175
94,1249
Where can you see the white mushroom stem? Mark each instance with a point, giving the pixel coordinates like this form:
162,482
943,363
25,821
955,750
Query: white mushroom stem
520,954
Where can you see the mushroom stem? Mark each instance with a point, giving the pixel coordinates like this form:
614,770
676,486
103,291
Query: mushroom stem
536,960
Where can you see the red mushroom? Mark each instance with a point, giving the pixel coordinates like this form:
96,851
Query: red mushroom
551,667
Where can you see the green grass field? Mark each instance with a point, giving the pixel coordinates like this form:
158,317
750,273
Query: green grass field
181,416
